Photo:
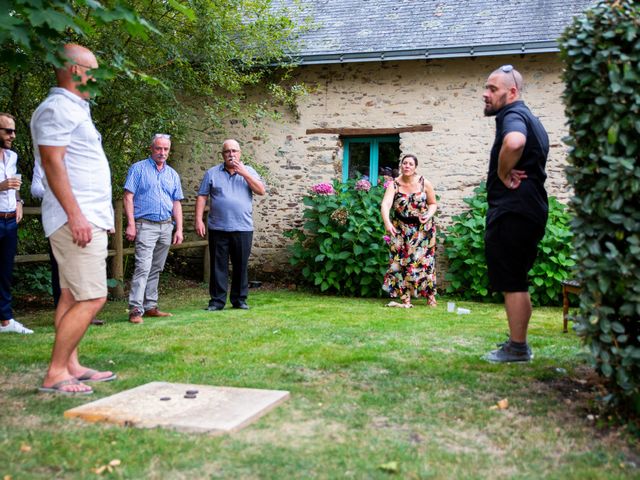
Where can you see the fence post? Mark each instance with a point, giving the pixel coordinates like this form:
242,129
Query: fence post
117,262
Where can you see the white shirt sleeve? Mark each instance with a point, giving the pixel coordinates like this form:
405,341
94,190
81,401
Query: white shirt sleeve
53,127
37,187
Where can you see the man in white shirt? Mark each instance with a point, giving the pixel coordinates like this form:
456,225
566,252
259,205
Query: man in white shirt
76,215
10,216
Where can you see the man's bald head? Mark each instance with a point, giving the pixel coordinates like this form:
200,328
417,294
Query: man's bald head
74,72
511,77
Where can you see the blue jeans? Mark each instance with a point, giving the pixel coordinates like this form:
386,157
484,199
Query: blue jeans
8,246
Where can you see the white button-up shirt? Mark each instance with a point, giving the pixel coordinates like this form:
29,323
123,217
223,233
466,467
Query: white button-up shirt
8,168
63,119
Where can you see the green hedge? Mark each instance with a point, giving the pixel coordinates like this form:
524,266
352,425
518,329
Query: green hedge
601,54
464,249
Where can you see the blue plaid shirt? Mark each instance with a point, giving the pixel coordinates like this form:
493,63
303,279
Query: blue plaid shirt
153,191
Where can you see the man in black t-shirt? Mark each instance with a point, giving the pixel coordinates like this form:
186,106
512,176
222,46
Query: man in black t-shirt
518,204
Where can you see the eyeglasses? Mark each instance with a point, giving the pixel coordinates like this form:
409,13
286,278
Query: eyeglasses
228,152
510,69
162,135
10,131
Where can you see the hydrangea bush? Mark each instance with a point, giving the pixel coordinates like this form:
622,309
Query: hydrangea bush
464,248
341,247
323,189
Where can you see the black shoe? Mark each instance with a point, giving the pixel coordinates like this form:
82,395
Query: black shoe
214,308
507,354
528,348
241,306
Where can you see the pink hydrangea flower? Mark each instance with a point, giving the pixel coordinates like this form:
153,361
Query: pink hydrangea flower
323,189
387,183
387,239
363,185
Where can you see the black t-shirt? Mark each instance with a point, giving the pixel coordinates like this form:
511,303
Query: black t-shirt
530,198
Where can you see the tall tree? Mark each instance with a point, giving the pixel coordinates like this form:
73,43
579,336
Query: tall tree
171,65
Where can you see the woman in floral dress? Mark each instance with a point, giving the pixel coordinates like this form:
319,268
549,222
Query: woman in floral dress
412,233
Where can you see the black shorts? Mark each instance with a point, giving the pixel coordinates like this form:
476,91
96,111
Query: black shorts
510,246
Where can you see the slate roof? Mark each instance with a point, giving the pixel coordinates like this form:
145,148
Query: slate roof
374,30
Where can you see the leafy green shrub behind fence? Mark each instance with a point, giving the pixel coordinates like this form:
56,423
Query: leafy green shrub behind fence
601,53
33,279
341,247
31,239
464,248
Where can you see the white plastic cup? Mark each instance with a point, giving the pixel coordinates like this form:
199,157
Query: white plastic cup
463,311
18,176
451,307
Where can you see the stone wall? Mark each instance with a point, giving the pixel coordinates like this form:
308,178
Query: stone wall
444,93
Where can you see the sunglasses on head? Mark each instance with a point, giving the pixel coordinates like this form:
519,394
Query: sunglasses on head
507,69
162,135
9,130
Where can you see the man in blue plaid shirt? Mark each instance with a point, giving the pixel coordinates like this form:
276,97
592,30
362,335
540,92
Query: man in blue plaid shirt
152,205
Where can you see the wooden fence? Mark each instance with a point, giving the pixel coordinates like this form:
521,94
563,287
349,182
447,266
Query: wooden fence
118,252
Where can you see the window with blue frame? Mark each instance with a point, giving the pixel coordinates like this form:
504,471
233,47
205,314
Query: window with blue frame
370,157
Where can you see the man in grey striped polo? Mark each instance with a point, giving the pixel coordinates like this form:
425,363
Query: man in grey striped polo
152,195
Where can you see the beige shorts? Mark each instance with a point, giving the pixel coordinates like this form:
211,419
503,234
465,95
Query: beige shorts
82,270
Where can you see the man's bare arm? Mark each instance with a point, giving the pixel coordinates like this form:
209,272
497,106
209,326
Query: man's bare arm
177,217
58,179
201,202
510,154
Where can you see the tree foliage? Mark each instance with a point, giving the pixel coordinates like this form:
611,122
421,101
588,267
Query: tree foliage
36,28
174,67
601,53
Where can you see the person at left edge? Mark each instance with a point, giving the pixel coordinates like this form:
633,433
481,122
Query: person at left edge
152,195
10,216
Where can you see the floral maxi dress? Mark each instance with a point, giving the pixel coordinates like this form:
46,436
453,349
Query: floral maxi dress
412,255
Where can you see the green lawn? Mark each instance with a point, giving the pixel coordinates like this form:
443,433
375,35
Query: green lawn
372,389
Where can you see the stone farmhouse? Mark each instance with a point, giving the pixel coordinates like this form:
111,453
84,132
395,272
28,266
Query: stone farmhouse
388,77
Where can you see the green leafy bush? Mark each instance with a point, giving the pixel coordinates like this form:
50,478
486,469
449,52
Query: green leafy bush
341,247
464,248
601,53
31,239
32,278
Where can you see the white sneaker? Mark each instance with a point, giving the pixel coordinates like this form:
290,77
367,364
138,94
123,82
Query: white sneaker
15,327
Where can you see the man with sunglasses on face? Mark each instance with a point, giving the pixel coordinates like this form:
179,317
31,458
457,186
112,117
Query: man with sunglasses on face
10,216
518,205
230,188
152,195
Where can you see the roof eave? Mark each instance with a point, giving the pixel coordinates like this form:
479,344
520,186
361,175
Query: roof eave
550,46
